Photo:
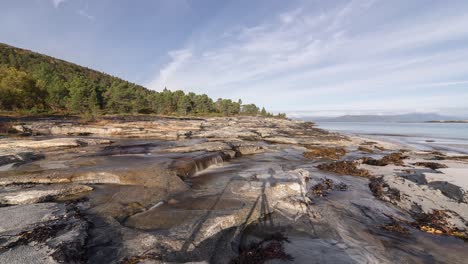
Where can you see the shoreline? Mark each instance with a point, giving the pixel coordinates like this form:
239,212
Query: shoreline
417,140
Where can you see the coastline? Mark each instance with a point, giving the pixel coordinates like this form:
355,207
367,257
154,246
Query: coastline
188,190
409,135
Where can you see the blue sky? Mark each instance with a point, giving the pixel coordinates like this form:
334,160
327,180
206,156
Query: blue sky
300,57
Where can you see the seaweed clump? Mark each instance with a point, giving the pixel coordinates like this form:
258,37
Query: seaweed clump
267,249
324,187
431,165
320,152
140,259
436,223
393,158
344,168
383,191
38,234
396,227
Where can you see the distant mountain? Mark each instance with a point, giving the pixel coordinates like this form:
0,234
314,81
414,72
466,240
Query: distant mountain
412,117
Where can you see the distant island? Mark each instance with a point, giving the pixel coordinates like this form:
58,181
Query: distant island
404,118
32,83
447,121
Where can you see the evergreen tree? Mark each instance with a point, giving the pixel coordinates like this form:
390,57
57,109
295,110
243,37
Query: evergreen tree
83,97
34,82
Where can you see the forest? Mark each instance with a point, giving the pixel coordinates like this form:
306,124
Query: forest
32,83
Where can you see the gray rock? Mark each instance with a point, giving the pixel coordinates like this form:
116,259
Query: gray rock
14,195
42,233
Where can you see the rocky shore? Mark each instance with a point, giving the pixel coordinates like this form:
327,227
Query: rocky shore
223,190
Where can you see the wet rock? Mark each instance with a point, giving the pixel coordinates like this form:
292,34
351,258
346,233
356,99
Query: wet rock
187,167
42,233
393,158
414,176
396,227
19,158
229,133
142,259
282,140
231,148
450,190
460,158
364,149
247,149
124,149
204,146
431,165
147,177
154,176
344,168
13,195
380,148
50,143
314,152
15,219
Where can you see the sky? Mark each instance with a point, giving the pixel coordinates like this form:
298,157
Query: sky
302,57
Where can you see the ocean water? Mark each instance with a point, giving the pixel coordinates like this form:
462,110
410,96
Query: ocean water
425,136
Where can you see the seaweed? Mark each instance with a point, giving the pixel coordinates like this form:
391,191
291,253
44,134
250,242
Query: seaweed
393,158
382,190
431,165
344,168
269,248
320,152
324,187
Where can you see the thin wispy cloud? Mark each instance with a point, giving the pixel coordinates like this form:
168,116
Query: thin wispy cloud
84,12
179,58
57,3
306,57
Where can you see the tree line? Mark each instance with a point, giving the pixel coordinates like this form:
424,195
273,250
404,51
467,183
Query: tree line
34,83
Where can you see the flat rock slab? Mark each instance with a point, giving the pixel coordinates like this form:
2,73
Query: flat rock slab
51,143
14,219
41,233
27,255
14,195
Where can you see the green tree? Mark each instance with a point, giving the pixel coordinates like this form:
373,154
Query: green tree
18,90
119,98
83,97
250,109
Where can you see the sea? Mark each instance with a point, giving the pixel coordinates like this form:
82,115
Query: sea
452,137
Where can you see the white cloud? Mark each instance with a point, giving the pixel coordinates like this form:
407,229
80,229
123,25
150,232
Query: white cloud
304,58
178,58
